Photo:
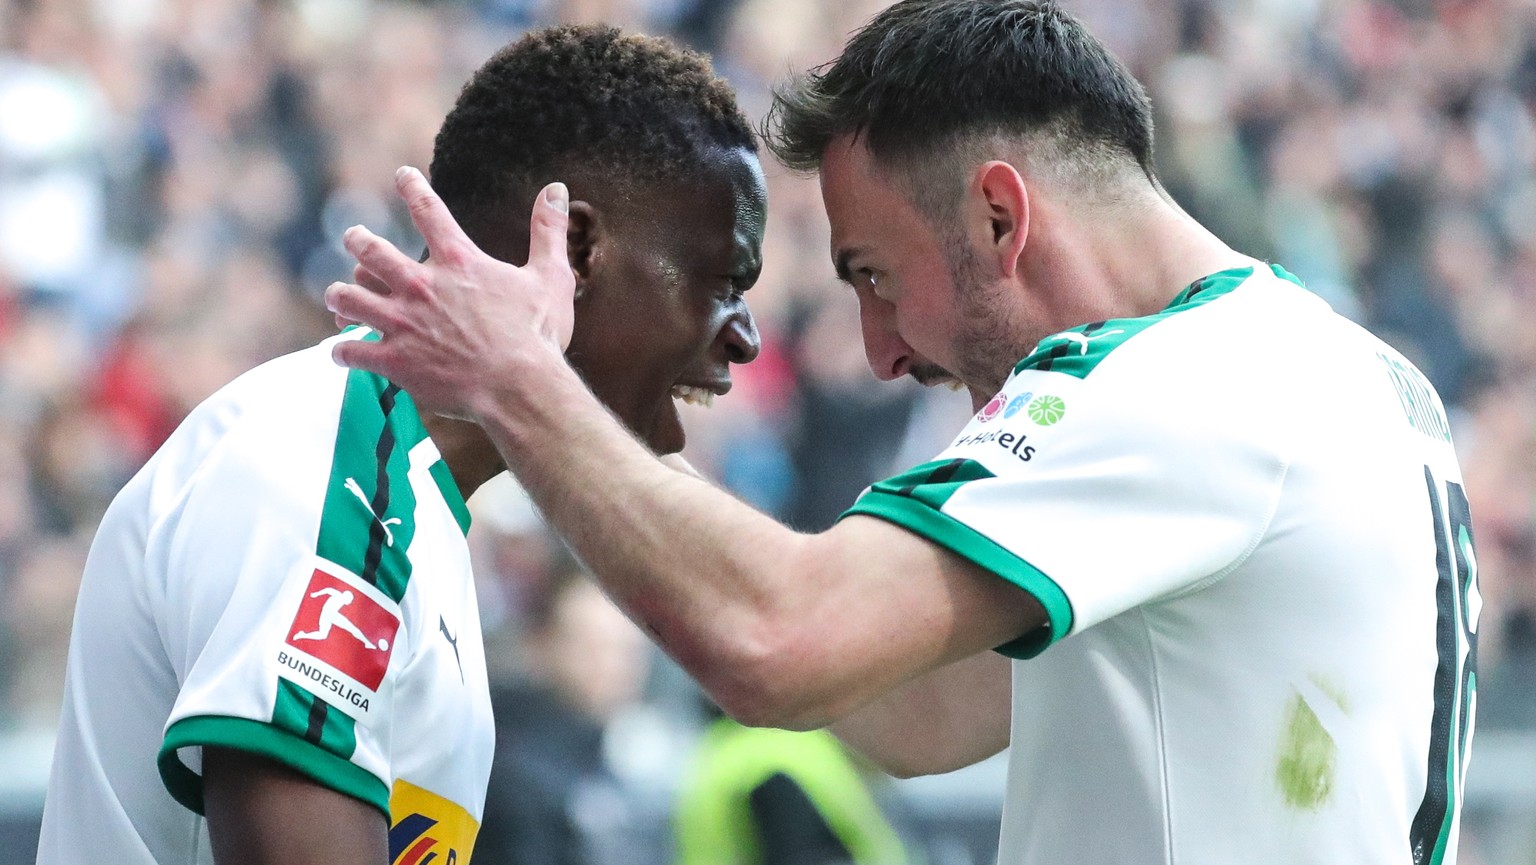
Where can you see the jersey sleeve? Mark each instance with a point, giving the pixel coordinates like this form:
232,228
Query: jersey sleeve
1099,493
283,611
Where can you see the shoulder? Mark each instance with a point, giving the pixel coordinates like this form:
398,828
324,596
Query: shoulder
1227,344
257,442
1231,316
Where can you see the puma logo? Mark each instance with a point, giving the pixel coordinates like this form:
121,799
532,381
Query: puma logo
356,489
442,625
1082,339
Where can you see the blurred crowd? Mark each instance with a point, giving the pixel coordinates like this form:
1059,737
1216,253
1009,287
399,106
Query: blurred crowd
175,176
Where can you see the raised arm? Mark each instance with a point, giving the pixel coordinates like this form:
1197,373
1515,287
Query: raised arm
782,628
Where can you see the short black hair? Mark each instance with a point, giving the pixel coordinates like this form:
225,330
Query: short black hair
573,103
924,75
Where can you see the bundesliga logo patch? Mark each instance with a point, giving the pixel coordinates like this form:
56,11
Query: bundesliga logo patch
340,624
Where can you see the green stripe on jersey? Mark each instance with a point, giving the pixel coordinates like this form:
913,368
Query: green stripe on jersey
450,490
300,713
243,734
369,517
1078,351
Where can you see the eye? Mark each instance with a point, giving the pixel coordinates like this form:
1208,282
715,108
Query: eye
868,278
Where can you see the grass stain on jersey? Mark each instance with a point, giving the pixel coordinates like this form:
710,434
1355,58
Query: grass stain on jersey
1308,755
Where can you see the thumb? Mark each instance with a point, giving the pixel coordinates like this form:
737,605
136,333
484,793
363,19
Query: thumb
546,238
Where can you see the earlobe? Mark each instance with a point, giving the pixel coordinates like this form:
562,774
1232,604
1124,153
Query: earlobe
582,244
1006,201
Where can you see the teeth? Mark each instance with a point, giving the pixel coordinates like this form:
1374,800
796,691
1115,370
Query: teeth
693,395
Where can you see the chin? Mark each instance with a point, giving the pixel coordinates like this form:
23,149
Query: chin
664,448
665,435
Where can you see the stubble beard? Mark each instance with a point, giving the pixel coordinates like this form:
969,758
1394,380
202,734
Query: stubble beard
988,342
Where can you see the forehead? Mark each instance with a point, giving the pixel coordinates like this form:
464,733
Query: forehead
863,203
721,207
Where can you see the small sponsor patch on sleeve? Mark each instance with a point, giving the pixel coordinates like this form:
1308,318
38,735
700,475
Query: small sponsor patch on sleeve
426,828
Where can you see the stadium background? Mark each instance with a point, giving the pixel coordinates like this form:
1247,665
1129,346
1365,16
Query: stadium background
175,174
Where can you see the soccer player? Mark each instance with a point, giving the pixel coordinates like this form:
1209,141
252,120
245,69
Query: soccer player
1219,529
276,654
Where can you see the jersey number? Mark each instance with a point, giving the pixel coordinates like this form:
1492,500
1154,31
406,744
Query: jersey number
1459,604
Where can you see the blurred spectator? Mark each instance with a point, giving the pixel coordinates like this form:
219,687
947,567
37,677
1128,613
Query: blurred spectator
39,604
774,797
849,426
175,176
553,797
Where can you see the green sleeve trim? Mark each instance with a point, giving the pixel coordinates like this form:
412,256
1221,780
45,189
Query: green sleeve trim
451,494
243,734
961,539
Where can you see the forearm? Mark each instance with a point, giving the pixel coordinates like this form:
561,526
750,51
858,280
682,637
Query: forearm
650,534
943,720
780,627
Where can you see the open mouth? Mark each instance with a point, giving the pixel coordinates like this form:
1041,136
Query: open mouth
693,395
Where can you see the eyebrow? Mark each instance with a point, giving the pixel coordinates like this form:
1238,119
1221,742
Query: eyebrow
841,260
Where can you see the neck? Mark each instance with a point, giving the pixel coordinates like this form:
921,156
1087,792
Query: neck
471,458
1122,261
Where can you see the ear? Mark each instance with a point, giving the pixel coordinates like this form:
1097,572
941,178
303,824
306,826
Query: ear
1000,194
583,237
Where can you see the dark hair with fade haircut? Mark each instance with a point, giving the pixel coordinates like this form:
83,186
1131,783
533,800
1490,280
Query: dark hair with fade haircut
579,103
925,75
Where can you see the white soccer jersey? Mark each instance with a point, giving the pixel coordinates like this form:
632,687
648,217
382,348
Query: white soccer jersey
1244,518
288,575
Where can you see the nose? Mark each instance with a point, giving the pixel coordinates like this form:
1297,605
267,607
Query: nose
889,355
740,338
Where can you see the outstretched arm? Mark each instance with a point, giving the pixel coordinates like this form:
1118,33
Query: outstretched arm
782,628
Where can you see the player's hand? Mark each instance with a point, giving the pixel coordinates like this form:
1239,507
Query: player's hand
366,278
461,324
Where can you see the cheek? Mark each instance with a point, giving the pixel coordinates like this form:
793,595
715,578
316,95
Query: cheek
921,322
693,322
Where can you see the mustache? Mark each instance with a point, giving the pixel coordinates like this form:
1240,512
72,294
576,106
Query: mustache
929,374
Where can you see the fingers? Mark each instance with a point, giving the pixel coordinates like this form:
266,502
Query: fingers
366,278
546,238
437,226
354,304
363,354
379,257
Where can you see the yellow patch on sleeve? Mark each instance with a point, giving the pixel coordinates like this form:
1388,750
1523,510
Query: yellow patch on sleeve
427,829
